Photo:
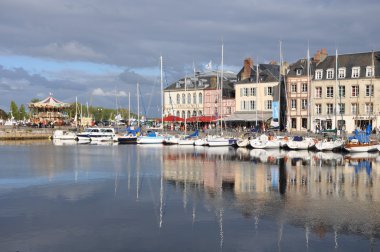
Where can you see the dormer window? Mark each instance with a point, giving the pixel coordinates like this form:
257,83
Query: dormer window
178,85
330,74
369,72
318,74
342,73
299,71
355,72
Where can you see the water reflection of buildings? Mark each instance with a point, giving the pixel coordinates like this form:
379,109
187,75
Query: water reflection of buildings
323,192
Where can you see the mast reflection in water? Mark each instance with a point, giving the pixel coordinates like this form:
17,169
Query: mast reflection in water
185,198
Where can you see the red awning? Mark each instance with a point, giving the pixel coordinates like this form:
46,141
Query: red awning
172,118
207,119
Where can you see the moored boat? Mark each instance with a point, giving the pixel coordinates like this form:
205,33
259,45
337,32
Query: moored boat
301,143
329,144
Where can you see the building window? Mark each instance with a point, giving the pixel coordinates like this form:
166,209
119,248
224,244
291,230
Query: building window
252,105
330,74
319,74
330,108
244,92
304,87
355,72
199,112
342,73
195,98
299,71
294,88
269,91
354,108
194,113
178,114
228,112
318,109
183,99
178,99
293,104
188,114
355,91
342,91
243,106
294,123
368,108
268,104
304,104
189,99
252,91
318,92
183,114
369,90
330,92
341,108
304,123
200,98
369,72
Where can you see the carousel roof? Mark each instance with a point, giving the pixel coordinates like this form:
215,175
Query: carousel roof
49,102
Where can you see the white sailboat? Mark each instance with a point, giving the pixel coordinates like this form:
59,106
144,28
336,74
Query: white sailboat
329,144
153,137
216,140
265,142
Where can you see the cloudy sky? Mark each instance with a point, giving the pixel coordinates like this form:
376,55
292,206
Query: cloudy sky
95,49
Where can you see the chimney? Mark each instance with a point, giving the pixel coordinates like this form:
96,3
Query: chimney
317,57
323,54
248,63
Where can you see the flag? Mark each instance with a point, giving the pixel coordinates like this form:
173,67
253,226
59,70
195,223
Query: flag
209,66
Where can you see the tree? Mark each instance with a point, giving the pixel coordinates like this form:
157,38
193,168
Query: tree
3,114
34,100
14,110
22,112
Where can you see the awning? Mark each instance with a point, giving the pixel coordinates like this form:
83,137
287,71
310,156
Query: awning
249,116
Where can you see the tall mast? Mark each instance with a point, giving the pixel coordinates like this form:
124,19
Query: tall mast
162,97
185,103
129,108
336,86
257,88
308,86
279,88
221,93
138,105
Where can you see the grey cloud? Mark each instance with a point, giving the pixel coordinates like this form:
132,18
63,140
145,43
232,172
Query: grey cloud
133,34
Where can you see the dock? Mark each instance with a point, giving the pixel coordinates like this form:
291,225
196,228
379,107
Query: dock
21,133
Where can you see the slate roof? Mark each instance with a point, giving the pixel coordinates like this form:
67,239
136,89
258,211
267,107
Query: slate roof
267,73
349,61
207,80
301,65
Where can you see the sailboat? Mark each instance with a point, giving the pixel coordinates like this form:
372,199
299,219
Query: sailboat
153,137
332,143
213,141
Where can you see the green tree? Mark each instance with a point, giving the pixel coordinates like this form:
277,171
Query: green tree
3,115
14,110
22,112
34,100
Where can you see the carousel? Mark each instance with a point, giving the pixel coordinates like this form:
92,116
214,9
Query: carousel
49,112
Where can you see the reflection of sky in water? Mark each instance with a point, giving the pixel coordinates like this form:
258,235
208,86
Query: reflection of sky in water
116,198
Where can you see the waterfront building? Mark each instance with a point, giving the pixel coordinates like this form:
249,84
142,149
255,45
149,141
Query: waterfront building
298,92
254,92
200,95
344,93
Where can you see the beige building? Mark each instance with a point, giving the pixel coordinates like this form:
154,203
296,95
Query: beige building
254,93
298,92
198,95
347,96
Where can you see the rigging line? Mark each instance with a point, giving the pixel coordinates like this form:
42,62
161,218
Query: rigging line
142,101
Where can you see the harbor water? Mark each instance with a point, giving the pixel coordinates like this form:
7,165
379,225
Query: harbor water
73,197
